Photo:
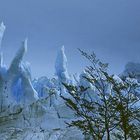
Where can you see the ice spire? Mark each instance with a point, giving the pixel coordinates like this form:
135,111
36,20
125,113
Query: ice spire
61,65
18,58
19,78
1,60
13,74
2,29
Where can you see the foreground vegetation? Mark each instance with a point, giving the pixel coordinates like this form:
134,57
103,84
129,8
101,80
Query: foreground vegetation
108,107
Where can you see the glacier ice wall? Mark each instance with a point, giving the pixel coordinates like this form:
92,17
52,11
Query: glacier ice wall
33,109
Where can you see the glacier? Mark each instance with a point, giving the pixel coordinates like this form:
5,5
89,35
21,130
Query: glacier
32,109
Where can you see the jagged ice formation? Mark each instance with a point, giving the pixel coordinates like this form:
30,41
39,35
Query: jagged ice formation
33,109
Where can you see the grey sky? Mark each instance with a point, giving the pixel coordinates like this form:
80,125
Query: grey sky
111,28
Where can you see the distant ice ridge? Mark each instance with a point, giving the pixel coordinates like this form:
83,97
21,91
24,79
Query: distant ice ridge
132,69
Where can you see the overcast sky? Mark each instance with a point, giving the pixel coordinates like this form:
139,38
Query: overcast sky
110,28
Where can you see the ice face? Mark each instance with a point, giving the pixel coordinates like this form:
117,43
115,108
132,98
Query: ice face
132,69
14,74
